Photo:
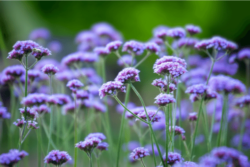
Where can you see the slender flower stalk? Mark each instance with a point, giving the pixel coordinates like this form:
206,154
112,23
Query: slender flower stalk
142,60
143,164
75,131
122,125
212,124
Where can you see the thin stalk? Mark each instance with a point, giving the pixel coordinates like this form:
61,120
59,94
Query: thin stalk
143,59
142,163
179,106
186,147
170,47
212,124
21,136
204,115
167,127
75,133
47,134
242,128
90,160
122,125
153,149
26,136
119,57
196,128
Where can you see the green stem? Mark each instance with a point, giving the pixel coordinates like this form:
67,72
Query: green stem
204,115
122,125
142,163
171,48
167,127
153,149
186,147
90,160
143,59
242,128
119,57
212,124
75,133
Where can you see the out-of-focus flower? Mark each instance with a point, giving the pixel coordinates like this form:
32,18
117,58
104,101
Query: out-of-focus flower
111,88
88,145
4,114
29,112
14,71
245,141
162,84
55,46
32,125
102,146
177,130
149,147
127,75
57,157
74,85
120,109
133,47
82,94
172,158
41,109
39,33
20,122
244,54
34,99
164,99
152,115
176,32
243,101
102,51
12,157
186,164
152,47
126,59
99,106
186,42
193,116
50,69
113,46
192,29
139,153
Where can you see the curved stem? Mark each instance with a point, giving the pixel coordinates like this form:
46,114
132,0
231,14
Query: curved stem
170,47
143,59
119,57
75,133
242,128
122,125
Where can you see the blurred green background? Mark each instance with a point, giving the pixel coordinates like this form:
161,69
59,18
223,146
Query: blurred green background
135,20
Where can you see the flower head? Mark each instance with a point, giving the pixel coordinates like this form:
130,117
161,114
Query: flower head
244,54
34,99
192,29
177,130
126,59
173,158
98,135
14,71
197,89
152,115
243,101
139,153
172,68
164,99
39,33
99,106
36,75
41,109
177,32
50,69
40,52
57,157
4,114
134,47
29,112
186,42
111,88
32,125
173,59
113,46
12,157
88,145
127,75
192,116
153,47
186,164
162,84
102,51
102,146
82,94
74,85
87,37
20,122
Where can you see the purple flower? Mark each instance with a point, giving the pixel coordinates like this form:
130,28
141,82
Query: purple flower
32,125
127,59
160,32
102,51
186,42
41,109
102,146
196,89
162,84
69,108
40,52
139,153
87,37
55,46
164,99
34,99
149,147
192,116
152,47
130,146
223,67
74,85
243,101
65,75
166,59
133,47
177,32
6,79
36,75
20,122
39,33
50,69
29,112
39,65
14,71
186,164
173,158
82,94
244,54
136,111
177,130
120,109
98,135
172,68
111,88
245,141
152,115
12,157
209,161
88,145
57,157
99,107
4,114
127,75
192,29
222,83
79,57
113,46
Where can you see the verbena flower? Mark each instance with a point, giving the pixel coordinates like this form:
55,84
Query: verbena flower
88,145
172,68
152,115
20,122
127,75
99,106
74,85
243,101
12,157
192,29
36,75
69,108
40,64
244,54
223,67
226,84
186,42
79,57
135,110
113,46
111,88
173,158
102,146
152,47
177,130
194,76
192,116
6,79
50,69
57,157
98,135
40,52
82,94
126,59
177,32
32,125
133,47
186,164
14,71
102,51
4,114
209,161
164,99
29,112
41,109
39,33
139,153
196,89
245,141
162,84
131,145
87,37
160,32
55,46
149,147
66,75
120,109
58,99
34,99
172,59
106,30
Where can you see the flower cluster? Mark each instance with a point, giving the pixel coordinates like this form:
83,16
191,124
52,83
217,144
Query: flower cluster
139,153
127,75
164,99
12,157
111,88
57,157
173,158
